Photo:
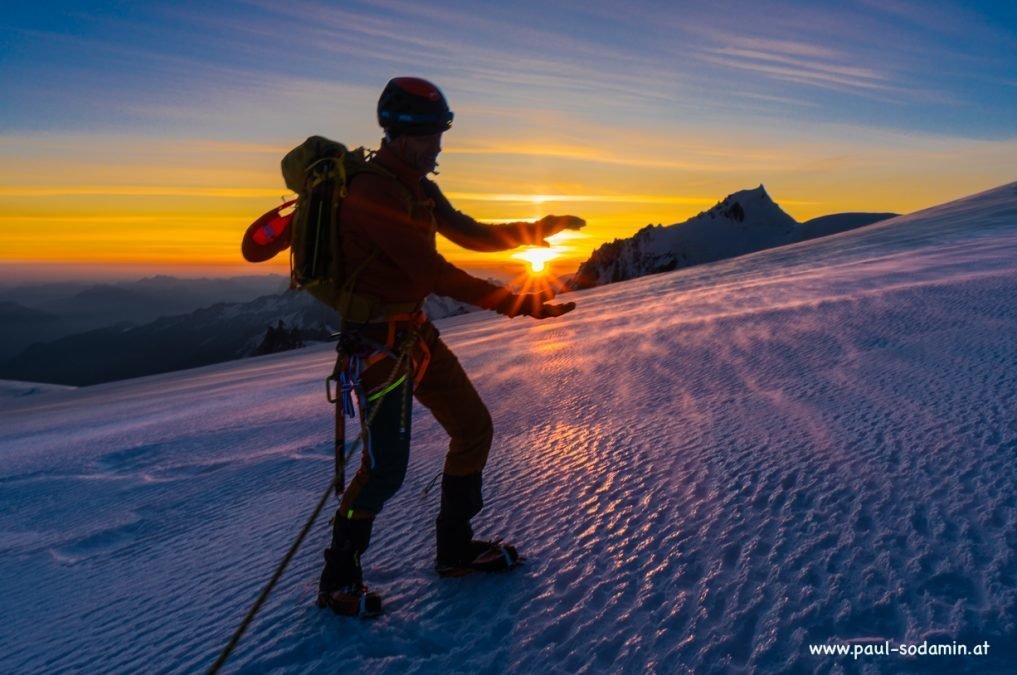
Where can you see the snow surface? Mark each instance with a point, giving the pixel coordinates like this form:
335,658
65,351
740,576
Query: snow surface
708,470
15,389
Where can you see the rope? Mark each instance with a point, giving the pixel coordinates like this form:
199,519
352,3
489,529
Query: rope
427,490
253,611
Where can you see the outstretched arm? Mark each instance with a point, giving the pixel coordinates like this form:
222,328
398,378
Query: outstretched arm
468,233
370,213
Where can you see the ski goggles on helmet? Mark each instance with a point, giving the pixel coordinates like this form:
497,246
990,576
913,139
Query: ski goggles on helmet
416,124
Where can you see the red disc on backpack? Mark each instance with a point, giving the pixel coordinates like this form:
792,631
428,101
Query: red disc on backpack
269,234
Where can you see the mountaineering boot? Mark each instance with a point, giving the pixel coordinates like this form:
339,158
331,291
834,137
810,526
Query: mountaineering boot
352,600
342,581
458,552
483,556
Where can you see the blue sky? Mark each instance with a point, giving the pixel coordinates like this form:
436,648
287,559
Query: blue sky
935,67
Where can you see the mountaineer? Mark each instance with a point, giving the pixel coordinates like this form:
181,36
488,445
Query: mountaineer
392,353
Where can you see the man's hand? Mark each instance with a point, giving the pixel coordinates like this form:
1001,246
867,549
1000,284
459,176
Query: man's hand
551,225
532,304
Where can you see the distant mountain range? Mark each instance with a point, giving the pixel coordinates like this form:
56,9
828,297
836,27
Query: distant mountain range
20,326
88,305
80,334
222,332
46,312
743,222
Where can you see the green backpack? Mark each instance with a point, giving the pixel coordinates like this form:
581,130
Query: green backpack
319,171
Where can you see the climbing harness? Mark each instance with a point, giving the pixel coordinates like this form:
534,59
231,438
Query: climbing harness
356,352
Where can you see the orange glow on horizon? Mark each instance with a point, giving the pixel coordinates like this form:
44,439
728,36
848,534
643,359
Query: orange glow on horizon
136,191
186,203
580,198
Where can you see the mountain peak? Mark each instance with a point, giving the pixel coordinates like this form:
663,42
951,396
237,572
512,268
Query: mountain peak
758,191
753,204
757,194
743,222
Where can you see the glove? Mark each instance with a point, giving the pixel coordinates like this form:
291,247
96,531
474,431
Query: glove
532,304
551,225
548,311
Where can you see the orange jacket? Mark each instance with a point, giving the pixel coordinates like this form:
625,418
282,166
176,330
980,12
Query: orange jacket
407,267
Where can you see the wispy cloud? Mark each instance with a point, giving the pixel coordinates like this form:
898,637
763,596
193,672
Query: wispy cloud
842,48
800,62
795,48
79,143
957,19
32,191
815,76
350,22
574,153
860,76
773,98
573,198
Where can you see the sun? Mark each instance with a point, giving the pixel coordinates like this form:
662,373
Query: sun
537,257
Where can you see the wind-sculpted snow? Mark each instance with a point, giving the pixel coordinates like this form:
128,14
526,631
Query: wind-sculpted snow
708,471
14,389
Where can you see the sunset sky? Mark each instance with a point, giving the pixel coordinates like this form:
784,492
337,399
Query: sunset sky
143,137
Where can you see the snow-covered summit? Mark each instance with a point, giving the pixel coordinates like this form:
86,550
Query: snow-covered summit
754,206
743,222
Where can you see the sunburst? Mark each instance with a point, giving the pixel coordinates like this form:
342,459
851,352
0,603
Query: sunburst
537,257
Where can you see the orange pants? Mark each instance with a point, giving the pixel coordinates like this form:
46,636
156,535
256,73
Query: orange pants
447,392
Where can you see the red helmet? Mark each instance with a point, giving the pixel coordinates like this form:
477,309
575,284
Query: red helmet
412,106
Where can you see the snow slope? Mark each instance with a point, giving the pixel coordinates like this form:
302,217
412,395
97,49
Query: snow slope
709,470
824,226
15,388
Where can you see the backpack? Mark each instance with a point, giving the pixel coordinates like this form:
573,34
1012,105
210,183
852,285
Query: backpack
319,171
